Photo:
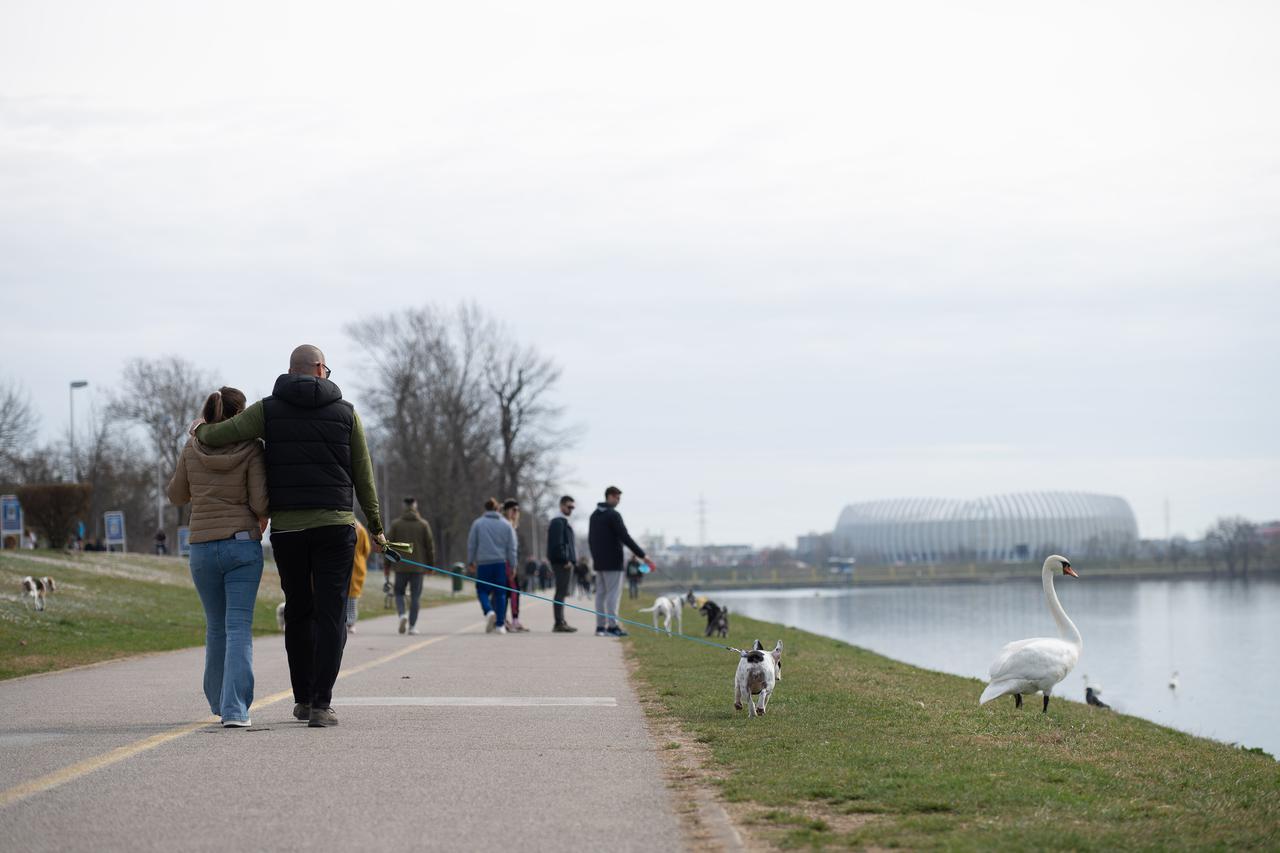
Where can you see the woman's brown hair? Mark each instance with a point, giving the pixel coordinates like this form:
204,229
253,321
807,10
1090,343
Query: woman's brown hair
224,403
491,505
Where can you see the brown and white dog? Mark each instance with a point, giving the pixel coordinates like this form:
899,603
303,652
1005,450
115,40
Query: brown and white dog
758,673
37,590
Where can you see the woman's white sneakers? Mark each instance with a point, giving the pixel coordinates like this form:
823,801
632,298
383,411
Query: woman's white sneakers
236,724
404,624
490,622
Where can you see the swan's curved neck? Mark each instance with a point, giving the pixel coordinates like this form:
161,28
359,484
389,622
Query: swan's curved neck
1066,628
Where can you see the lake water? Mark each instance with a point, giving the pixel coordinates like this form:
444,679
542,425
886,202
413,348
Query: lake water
1222,637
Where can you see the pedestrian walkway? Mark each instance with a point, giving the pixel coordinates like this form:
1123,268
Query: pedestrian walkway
450,740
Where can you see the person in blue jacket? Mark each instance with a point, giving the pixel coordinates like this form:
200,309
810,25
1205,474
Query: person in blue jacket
491,547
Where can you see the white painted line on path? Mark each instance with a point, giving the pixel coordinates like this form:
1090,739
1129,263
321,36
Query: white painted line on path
483,701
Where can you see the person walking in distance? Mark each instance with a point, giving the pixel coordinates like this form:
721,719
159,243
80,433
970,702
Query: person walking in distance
562,551
633,578
318,465
359,569
606,536
511,512
411,527
491,547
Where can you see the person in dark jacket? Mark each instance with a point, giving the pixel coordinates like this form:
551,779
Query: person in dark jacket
633,578
411,527
562,551
318,465
606,537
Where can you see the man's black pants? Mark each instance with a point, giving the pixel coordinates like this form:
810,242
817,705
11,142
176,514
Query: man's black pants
315,574
564,576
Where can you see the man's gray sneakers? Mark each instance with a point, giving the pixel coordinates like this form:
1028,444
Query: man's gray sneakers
302,711
322,717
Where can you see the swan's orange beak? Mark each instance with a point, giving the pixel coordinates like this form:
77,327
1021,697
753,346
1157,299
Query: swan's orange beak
1067,570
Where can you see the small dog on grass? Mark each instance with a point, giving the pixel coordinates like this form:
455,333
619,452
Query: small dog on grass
665,607
717,618
758,673
37,589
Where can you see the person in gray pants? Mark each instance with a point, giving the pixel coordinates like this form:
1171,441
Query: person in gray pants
606,537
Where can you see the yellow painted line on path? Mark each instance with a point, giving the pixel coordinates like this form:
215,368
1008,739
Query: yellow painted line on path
83,768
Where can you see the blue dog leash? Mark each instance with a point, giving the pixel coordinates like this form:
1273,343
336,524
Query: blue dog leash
394,556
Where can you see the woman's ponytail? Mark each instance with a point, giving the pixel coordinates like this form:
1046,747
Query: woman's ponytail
213,408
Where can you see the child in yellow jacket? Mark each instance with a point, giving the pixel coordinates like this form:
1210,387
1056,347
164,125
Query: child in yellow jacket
358,571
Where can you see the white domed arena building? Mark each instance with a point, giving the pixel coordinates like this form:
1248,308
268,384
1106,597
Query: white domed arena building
1001,528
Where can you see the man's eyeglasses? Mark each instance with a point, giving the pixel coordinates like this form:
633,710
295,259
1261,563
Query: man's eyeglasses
327,371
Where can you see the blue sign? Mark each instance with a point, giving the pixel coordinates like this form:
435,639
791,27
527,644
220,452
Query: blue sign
114,522
184,541
10,514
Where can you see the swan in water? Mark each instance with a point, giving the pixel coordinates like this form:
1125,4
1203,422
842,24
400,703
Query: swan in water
1036,665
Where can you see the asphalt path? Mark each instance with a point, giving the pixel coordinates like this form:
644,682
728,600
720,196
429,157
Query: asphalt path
450,740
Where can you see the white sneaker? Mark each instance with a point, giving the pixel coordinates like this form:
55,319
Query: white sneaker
516,627
490,622
413,630
236,724
404,624
501,629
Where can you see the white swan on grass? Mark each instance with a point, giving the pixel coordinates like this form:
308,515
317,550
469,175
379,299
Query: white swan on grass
1036,665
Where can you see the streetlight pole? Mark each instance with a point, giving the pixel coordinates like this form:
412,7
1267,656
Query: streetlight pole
71,394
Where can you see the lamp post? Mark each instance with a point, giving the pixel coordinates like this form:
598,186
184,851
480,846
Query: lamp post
71,394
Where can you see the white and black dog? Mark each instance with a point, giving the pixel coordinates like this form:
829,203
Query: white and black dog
280,616
758,673
665,607
37,590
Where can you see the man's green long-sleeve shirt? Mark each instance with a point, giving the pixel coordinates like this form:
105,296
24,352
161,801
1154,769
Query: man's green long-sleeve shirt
252,423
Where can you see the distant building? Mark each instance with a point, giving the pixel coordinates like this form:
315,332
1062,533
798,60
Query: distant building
999,528
813,546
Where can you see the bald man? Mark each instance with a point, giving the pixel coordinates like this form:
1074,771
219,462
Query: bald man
318,465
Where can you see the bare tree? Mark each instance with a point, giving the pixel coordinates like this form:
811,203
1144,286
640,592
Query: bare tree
114,466
161,396
1235,541
458,413
520,381
17,426
429,416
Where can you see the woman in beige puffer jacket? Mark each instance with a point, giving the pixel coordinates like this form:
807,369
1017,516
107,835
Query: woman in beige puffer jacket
227,488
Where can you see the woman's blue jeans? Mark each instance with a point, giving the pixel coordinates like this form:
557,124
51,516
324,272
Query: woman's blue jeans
492,598
226,574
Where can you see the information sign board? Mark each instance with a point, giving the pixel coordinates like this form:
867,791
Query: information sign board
114,522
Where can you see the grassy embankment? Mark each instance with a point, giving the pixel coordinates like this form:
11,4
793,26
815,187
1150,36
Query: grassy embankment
113,605
861,751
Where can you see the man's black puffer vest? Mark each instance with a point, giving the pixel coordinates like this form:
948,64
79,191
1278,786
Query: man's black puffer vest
308,432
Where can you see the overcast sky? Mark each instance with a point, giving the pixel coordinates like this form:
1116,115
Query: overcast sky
790,256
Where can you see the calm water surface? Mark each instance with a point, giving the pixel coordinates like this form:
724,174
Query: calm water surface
1222,637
